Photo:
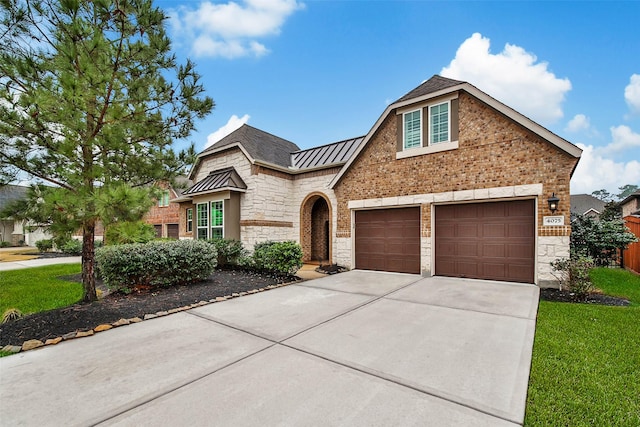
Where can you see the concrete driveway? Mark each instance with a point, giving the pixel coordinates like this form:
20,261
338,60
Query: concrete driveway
358,348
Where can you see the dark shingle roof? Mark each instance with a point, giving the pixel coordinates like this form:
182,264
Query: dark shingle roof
10,193
326,155
582,203
259,144
434,84
218,180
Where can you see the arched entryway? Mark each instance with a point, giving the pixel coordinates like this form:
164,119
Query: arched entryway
315,228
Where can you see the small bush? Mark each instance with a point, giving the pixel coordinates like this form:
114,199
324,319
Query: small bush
229,251
44,245
11,314
281,257
5,244
72,247
573,274
178,262
129,232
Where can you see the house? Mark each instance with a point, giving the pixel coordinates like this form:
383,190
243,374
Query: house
165,214
17,232
586,204
631,215
448,181
631,204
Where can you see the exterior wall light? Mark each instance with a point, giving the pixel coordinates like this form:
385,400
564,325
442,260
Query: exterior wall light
553,203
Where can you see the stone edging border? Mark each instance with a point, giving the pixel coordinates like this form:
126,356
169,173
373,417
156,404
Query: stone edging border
33,344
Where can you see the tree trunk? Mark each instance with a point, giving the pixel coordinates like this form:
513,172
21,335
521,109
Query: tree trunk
88,262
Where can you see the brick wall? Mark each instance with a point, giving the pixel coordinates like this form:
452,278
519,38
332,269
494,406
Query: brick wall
494,153
162,215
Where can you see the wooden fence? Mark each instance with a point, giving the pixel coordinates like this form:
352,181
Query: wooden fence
631,255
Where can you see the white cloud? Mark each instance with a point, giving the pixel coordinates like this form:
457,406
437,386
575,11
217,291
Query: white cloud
595,172
622,138
230,30
632,93
234,123
512,76
579,123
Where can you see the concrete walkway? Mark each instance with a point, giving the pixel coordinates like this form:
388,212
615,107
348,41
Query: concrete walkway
357,348
17,265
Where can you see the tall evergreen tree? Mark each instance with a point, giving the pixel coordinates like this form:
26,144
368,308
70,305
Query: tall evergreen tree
91,97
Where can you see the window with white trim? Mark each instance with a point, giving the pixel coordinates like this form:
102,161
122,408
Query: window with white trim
412,129
189,220
217,220
163,201
202,220
439,123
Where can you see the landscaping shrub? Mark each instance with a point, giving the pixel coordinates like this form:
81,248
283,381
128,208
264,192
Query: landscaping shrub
129,232
573,274
44,245
71,247
178,262
281,257
11,314
5,244
229,251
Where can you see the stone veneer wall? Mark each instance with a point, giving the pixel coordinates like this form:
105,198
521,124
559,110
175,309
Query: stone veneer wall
495,156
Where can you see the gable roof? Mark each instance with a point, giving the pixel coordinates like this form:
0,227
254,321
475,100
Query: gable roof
438,86
10,193
583,203
333,154
260,145
221,179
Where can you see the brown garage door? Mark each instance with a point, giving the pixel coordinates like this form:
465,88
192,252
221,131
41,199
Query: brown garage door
486,240
388,240
173,232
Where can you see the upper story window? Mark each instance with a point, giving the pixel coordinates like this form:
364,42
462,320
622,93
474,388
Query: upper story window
428,127
164,199
439,123
412,129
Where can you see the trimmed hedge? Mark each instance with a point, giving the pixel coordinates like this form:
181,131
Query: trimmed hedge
229,251
178,262
282,257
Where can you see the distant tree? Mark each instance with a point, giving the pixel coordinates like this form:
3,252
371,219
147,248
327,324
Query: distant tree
626,191
603,195
91,99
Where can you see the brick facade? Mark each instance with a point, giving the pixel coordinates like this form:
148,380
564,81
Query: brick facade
162,216
495,159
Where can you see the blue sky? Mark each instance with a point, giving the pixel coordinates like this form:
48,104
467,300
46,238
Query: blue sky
316,72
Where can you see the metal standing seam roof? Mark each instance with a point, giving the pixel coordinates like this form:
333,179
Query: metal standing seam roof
336,153
217,180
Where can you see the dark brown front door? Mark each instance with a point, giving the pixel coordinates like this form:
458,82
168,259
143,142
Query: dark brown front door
494,241
388,240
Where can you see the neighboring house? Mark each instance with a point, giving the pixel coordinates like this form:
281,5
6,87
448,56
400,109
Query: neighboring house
17,232
586,204
631,215
448,181
165,214
631,204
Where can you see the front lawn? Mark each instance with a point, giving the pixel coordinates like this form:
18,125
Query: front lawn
586,359
32,290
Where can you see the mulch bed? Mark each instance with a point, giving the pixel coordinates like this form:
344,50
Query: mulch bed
116,306
592,298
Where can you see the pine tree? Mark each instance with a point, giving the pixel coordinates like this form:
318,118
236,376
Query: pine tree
92,98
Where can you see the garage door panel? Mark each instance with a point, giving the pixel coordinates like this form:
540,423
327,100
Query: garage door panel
501,248
388,240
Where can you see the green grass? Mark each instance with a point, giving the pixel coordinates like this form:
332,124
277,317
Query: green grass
586,359
32,290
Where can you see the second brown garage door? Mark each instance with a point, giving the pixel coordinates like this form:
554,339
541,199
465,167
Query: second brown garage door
494,241
388,240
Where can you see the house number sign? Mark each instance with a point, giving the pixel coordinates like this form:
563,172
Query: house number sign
553,220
